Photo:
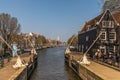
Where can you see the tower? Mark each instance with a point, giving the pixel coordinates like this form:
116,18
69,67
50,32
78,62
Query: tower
58,38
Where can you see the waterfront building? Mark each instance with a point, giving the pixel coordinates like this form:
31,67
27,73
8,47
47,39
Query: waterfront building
106,25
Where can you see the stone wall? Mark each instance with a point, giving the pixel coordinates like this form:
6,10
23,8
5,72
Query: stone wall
24,73
86,74
80,69
21,74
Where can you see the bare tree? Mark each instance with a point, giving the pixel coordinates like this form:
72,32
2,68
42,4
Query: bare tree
9,28
73,40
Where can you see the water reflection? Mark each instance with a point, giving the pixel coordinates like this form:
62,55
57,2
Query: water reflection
51,66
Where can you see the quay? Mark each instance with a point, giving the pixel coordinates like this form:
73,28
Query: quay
93,71
23,73
98,39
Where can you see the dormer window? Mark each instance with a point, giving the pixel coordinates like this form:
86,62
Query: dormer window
108,24
88,27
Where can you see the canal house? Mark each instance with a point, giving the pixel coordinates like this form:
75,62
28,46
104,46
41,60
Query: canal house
106,27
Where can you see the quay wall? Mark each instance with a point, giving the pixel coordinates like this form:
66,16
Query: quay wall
21,74
25,72
87,74
80,69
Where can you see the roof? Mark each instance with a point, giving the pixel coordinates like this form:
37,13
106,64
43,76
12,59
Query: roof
117,17
91,22
94,21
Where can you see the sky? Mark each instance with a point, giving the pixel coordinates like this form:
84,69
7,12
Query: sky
51,18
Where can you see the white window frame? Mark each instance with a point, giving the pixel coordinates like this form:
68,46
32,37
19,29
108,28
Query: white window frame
103,47
87,38
112,24
108,24
105,35
114,36
103,24
114,49
88,27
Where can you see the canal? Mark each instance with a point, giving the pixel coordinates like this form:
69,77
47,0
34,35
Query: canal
51,66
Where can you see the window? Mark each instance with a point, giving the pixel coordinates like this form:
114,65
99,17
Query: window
107,24
111,24
112,35
112,49
103,36
86,47
87,38
103,24
103,49
82,48
88,27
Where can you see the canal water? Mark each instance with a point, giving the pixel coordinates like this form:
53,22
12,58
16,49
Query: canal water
51,66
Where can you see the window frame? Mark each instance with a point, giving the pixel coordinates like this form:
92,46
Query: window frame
113,48
104,35
107,24
103,47
87,38
114,36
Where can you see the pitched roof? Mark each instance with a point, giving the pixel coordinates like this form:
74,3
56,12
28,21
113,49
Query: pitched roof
117,17
97,19
91,22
